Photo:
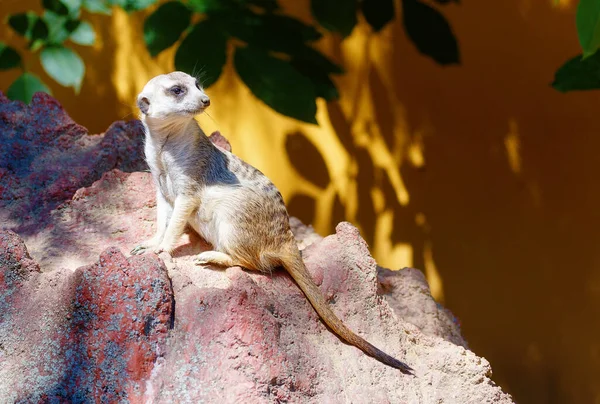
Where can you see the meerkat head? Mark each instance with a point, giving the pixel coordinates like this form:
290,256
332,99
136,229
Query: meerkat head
175,95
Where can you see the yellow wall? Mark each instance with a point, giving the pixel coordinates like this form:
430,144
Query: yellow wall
480,174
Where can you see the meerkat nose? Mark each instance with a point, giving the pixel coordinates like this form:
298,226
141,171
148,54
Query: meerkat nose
205,101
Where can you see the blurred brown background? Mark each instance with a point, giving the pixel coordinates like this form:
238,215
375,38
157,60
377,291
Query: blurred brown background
481,174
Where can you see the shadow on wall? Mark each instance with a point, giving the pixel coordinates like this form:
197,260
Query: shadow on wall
481,174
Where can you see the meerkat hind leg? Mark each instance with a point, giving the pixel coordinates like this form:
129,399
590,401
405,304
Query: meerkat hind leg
214,258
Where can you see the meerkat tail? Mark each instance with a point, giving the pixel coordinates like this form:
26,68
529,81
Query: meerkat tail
296,268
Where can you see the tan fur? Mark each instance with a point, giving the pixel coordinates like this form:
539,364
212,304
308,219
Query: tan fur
228,202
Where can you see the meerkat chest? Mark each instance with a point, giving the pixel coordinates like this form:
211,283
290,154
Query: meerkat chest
167,175
167,185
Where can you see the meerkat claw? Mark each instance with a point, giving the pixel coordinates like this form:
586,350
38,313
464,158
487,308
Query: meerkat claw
137,250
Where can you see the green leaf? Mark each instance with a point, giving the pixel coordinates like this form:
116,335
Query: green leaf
57,24
324,87
40,31
25,86
579,73
242,24
276,83
196,54
207,6
29,25
312,56
132,5
164,27
430,32
378,12
21,23
9,58
97,6
72,25
74,7
212,6
56,6
257,30
290,28
63,28
588,26
65,8
63,65
335,15
84,34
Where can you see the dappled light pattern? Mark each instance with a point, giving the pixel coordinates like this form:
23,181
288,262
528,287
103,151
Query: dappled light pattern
512,142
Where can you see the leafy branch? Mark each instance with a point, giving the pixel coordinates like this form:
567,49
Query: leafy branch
273,52
47,34
583,71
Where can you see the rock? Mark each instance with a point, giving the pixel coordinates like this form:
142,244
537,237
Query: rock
237,336
220,141
305,235
80,322
406,291
408,294
116,210
45,157
17,267
93,335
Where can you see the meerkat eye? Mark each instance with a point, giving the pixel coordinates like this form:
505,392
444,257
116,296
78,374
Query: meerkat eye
198,85
176,90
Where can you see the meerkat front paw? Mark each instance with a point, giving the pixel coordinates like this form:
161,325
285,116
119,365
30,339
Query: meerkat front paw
141,248
166,248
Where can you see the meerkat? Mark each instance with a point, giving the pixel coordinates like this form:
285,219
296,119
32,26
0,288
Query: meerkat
231,204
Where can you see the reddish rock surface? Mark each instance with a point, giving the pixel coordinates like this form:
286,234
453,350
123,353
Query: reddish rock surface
93,335
220,141
80,322
45,157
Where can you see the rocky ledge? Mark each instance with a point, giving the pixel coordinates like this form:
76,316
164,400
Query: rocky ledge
80,321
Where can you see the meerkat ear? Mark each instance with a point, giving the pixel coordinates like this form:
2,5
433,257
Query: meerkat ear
143,104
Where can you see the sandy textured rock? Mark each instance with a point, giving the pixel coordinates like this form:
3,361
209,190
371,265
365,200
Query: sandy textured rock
408,294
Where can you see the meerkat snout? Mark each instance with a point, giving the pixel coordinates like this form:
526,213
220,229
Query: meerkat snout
172,96
205,101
